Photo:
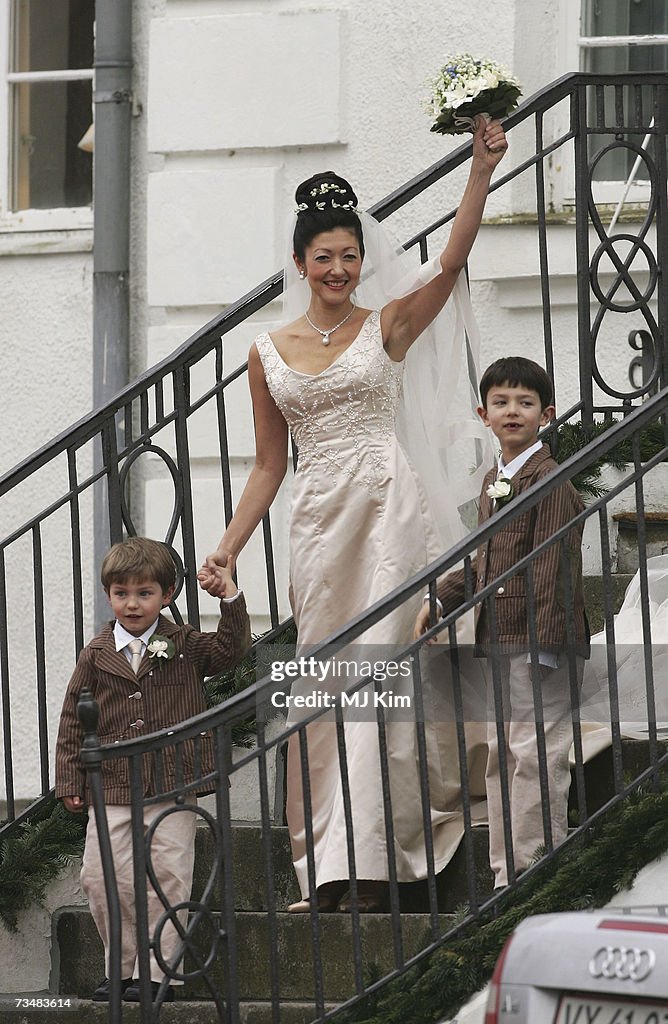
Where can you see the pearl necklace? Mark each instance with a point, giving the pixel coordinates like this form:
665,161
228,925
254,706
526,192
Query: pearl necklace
326,334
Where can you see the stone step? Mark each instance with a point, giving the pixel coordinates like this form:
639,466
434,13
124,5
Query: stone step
600,778
248,859
616,584
80,959
249,872
83,1011
452,884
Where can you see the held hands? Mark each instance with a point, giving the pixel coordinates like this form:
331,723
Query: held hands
215,575
73,804
489,142
422,624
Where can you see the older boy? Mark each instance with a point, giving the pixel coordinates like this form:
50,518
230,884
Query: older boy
516,397
146,674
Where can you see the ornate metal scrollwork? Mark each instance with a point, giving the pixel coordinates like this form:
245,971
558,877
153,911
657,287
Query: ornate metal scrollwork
200,916
646,362
638,299
177,509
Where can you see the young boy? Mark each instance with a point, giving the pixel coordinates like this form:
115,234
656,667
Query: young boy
138,693
516,397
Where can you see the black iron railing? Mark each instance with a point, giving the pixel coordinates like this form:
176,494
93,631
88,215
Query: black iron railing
153,415
441,680
48,500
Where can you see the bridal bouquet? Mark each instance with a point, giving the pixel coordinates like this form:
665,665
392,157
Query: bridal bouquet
466,86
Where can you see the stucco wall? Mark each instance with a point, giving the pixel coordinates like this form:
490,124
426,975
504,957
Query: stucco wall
282,90
237,101
45,332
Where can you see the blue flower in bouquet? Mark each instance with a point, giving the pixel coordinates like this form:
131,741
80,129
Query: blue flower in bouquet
466,87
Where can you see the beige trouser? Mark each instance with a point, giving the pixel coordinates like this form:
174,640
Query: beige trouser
172,854
522,760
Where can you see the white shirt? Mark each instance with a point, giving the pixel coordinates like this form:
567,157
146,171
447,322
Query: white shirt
122,638
515,465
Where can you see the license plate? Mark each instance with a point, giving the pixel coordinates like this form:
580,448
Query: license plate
583,1010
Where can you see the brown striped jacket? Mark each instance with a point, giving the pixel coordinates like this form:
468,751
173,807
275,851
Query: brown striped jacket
504,549
169,692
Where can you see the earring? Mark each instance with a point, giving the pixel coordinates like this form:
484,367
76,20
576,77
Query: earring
302,275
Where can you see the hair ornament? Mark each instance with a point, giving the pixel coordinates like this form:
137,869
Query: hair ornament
324,190
328,186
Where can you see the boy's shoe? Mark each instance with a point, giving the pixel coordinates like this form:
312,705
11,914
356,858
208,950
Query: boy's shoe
101,993
131,994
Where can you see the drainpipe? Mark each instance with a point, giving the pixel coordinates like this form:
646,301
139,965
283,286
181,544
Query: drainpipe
112,103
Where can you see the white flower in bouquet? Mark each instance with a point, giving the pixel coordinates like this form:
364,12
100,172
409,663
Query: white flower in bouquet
466,87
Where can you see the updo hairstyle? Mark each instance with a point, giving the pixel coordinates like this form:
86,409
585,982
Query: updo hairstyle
324,201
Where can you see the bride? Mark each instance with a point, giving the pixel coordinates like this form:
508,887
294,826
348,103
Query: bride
371,416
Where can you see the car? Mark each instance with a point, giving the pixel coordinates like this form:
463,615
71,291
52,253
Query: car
584,967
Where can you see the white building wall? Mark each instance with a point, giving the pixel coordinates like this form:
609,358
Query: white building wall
45,334
281,91
236,102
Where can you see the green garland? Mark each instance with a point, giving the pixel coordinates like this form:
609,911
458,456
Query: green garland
41,847
221,687
572,437
588,873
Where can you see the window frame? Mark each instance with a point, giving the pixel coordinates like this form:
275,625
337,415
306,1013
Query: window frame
49,219
573,46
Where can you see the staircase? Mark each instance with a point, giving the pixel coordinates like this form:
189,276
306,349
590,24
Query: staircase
74,931
77,957
304,966
78,965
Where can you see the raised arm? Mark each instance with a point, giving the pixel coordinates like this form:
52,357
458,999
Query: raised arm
403,320
271,460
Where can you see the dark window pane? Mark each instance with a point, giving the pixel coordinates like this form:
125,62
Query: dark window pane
49,169
54,35
624,17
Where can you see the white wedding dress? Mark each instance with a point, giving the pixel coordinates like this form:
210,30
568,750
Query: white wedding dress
360,528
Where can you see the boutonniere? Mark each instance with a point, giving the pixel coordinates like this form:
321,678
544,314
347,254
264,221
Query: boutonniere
159,647
501,491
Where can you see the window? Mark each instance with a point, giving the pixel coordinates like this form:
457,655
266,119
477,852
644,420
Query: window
609,37
48,99
623,36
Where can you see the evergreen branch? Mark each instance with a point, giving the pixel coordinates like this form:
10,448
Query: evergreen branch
588,873
573,437
221,687
29,860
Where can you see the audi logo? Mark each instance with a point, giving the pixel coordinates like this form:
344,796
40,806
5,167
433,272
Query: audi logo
622,963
